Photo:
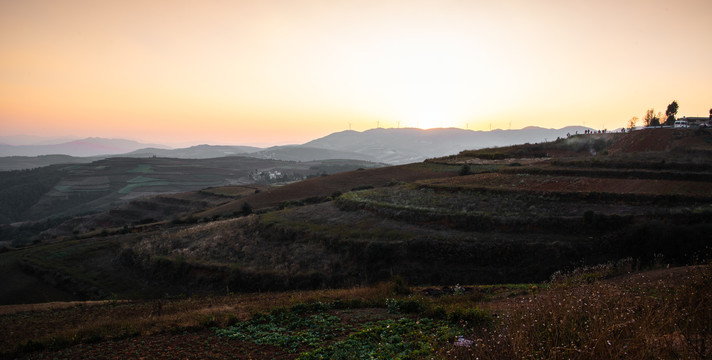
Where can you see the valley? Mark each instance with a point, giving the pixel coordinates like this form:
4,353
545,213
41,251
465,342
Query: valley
70,190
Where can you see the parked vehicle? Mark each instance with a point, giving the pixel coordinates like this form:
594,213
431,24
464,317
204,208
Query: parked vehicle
681,124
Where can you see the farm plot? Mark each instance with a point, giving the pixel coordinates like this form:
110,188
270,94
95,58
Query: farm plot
188,181
93,183
572,184
234,191
482,203
142,169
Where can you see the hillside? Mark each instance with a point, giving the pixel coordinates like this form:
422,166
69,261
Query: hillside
571,222
68,190
485,216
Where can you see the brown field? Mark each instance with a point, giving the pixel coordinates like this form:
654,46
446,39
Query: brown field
565,184
325,186
234,191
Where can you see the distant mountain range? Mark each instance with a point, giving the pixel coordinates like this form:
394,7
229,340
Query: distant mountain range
401,146
84,147
390,146
194,152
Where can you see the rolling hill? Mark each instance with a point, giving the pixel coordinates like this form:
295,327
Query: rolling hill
194,152
482,216
70,190
84,147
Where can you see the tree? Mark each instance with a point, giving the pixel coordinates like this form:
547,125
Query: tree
671,112
465,170
632,122
246,208
650,119
710,114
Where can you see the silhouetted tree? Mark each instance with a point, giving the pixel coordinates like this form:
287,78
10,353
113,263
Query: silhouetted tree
710,114
632,122
650,119
671,112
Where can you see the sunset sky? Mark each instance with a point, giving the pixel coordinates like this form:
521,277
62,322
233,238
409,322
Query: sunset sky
264,72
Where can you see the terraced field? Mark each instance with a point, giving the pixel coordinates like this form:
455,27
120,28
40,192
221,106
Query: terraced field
99,186
443,221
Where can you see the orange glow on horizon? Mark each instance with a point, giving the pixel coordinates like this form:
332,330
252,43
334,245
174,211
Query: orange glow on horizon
278,72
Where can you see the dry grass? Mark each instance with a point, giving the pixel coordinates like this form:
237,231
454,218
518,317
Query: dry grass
648,319
59,325
665,314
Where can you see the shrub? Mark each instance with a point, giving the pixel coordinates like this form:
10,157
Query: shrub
400,287
471,316
437,312
465,170
246,208
407,306
412,306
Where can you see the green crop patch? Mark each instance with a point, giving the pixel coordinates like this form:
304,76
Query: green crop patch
402,338
141,179
63,188
321,333
142,169
288,330
131,187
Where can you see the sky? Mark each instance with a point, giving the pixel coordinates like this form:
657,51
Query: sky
183,72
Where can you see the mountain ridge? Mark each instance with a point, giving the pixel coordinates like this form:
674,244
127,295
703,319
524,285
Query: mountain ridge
91,146
393,146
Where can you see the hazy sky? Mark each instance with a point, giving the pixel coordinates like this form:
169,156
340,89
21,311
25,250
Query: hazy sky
275,72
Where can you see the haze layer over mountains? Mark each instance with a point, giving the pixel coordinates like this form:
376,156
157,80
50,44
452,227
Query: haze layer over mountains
390,146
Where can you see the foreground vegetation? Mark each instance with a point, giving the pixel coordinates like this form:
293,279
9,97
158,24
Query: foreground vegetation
591,313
